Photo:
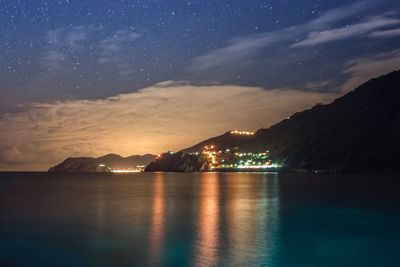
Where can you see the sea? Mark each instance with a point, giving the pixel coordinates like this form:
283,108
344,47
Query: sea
199,219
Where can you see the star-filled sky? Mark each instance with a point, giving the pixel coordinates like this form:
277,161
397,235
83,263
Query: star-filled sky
86,78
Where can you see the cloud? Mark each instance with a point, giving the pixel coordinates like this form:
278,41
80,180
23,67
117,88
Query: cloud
70,37
166,116
111,48
317,85
239,51
349,31
53,59
365,68
66,42
125,69
119,38
339,13
386,33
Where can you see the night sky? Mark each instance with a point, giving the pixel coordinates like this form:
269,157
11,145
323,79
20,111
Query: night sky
86,78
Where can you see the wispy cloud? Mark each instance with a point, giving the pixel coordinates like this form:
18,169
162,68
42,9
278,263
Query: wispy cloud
113,43
386,33
63,42
54,59
340,13
66,43
153,119
349,31
112,47
365,68
240,50
70,37
317,85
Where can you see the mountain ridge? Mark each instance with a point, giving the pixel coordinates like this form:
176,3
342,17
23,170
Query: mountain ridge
356,132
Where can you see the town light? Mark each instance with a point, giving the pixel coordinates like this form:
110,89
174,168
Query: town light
236,132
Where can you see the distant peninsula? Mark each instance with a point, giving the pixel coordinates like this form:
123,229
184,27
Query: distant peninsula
107,163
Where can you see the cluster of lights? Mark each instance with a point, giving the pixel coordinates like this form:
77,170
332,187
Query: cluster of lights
240,160
266,166
251,154
211,155
160,155
236,132
125,170
104,168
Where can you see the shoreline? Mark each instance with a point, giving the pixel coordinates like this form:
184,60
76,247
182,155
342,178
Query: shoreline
228,170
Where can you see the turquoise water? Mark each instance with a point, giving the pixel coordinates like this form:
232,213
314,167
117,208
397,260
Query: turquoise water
202,219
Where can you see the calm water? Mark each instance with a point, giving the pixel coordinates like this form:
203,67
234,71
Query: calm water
208,219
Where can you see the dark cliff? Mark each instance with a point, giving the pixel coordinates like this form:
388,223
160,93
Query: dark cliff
357,132
177,162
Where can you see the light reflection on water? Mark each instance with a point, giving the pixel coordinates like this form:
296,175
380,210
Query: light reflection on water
252,217
232,226
207,243
156,233
198,219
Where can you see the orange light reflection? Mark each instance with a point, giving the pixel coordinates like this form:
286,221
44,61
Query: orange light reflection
157,219
208,233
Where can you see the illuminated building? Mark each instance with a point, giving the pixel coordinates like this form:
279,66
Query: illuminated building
102,168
